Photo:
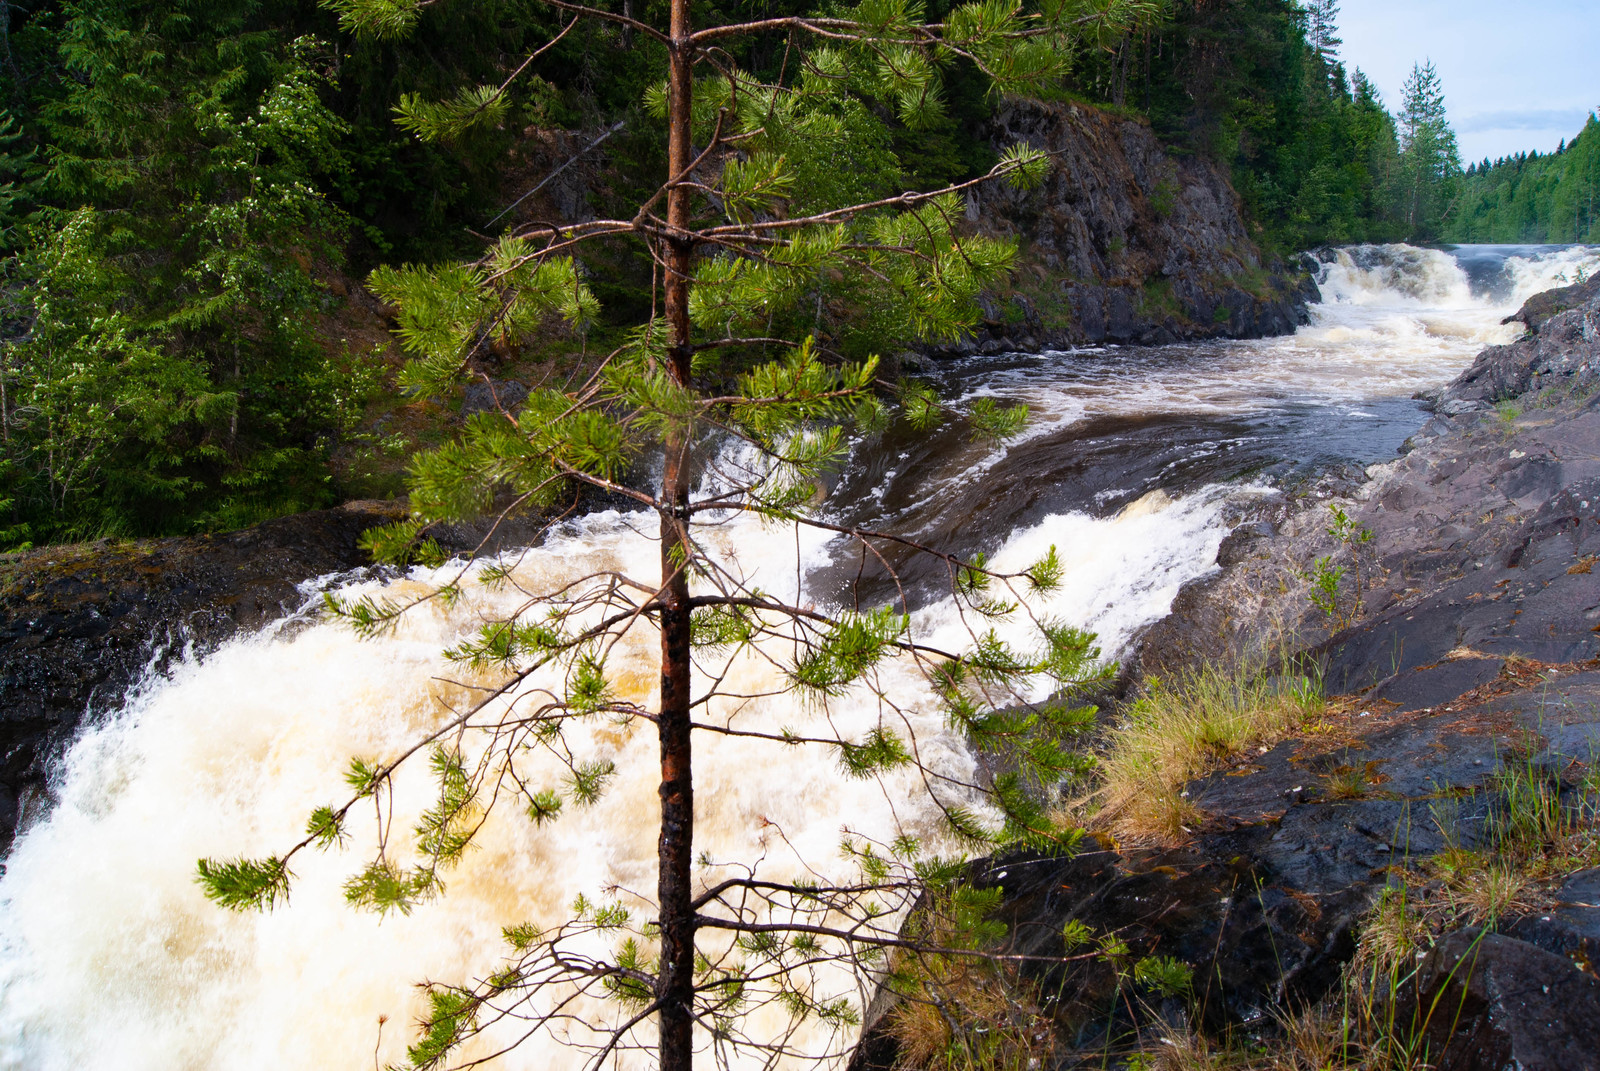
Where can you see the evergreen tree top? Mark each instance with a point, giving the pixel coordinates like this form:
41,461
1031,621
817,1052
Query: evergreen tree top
1322,27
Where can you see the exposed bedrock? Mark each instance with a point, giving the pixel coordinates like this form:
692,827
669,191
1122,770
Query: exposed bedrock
1124,242
1474,652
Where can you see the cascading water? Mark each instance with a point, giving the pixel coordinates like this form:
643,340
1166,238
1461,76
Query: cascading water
110,957
1109,425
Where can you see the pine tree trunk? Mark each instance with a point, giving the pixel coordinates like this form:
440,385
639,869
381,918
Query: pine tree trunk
675,980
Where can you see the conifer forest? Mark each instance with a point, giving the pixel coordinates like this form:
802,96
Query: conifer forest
192,193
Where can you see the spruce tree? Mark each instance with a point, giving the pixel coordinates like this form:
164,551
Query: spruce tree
169,378
747,240
1429,159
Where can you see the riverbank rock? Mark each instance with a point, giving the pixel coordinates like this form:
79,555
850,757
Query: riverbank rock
1463,656
1561,354
1483,540
1123,242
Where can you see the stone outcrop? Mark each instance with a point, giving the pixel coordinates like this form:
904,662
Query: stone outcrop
1469,655
1266,900
1519,1006
1124,242
1562,351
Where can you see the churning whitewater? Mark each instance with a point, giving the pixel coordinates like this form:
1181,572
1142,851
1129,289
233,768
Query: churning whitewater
111,957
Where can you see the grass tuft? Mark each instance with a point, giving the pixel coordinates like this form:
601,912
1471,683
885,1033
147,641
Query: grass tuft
1183,728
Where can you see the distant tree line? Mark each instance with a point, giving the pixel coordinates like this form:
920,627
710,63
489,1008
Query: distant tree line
1532,198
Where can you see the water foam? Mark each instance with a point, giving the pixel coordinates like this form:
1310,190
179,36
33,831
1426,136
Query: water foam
1394,320
1388,275
113,959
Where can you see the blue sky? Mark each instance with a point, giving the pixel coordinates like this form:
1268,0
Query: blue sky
1518,74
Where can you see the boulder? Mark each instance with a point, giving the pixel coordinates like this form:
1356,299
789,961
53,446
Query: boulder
1487,1002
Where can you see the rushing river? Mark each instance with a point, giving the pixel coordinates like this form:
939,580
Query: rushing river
110,957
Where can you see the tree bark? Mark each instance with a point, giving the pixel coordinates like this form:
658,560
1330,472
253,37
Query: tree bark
675,978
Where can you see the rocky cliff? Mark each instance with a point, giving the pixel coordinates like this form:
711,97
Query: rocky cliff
1124,242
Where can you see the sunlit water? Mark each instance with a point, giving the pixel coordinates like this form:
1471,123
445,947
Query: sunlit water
110,958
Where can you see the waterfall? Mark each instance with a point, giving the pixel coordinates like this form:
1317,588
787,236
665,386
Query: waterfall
110,957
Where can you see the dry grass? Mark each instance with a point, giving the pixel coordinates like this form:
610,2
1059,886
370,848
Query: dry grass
1492,891
1184,728
1397,931
1334,1036
964,1013
1353,782
973,1020
1534,840
1191,1052
1314,1040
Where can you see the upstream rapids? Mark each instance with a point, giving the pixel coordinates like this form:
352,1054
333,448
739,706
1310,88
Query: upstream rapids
111,958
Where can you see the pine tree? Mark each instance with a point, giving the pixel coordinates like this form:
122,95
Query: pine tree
1322,27
748,238
1430,161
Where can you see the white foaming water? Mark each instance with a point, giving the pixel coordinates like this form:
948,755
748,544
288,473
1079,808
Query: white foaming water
112,958
1394,320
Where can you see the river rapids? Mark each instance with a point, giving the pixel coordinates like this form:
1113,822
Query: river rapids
111,958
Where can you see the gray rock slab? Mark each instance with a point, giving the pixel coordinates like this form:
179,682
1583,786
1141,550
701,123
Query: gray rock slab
1495,1003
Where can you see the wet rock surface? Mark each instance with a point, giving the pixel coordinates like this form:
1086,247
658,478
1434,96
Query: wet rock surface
1485,1001
1466,646
1560,353
1124,243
